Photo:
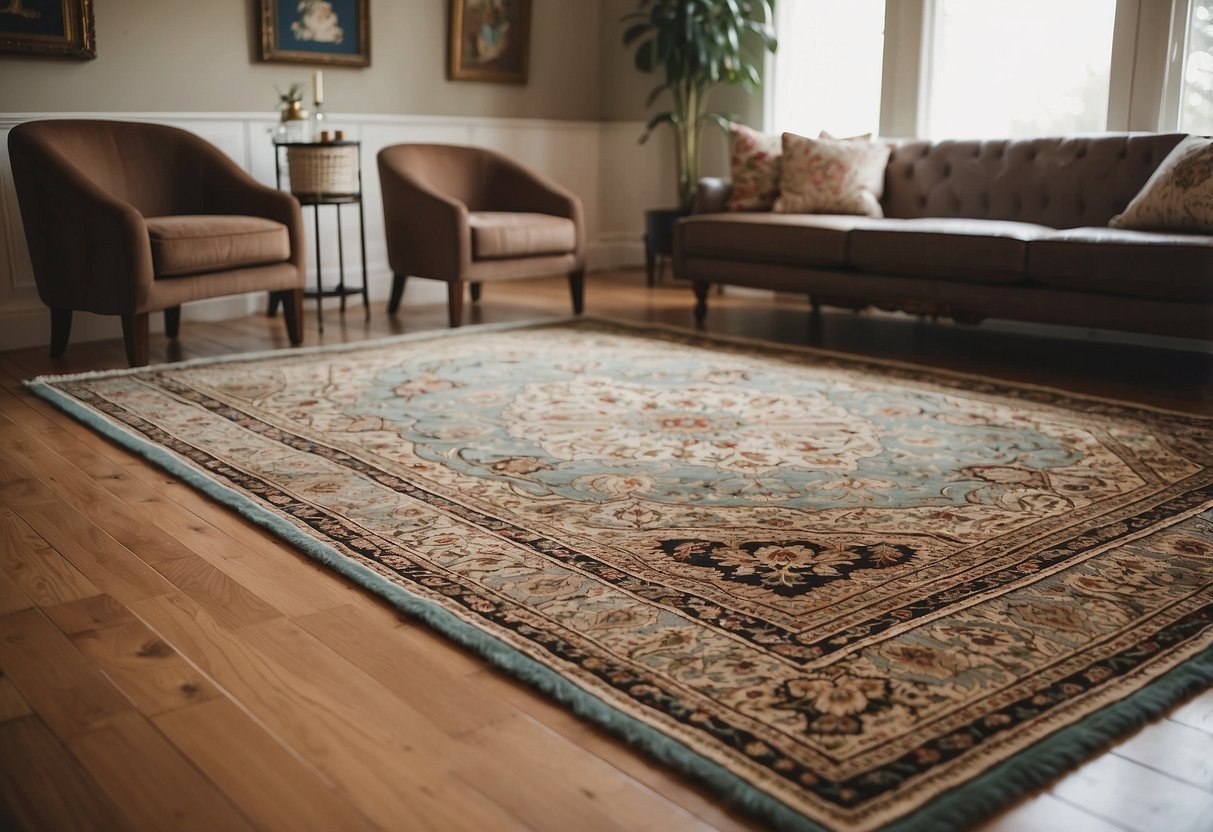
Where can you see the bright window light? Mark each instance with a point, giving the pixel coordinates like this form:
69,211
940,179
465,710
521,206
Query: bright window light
828,66
1196,101
1019,68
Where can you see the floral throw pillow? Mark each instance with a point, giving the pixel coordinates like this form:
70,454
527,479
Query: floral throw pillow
831,176
754,164
1178,196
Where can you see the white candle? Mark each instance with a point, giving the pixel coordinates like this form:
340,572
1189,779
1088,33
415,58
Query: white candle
318,87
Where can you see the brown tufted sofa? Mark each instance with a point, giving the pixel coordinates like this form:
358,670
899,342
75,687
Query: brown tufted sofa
1014,229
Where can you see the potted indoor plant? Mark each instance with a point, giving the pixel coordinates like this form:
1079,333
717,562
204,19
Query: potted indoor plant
696,46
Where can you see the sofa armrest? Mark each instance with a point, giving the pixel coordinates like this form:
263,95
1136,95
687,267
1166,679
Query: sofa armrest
712,195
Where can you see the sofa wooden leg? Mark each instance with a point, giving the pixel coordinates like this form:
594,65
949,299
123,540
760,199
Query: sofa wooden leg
172,321
454,302
398,281
577,290
292,313
701,287
475,289
134,334
61,330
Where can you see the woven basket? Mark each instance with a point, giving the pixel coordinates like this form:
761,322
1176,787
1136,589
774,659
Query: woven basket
328,170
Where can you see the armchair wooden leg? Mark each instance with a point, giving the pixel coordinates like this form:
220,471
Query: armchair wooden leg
172,321
292,313
577,290
398,282
475,287
701,287
134,333
271,305
454,300
61,329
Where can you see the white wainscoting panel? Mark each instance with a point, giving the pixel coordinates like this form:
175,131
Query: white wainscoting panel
601,162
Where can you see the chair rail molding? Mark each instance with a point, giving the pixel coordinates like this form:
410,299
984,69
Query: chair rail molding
599,161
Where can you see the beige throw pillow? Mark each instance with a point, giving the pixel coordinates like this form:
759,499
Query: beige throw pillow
754,169
831,176
1179,194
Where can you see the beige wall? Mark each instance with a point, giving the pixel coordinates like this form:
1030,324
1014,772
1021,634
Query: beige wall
624,89
188,56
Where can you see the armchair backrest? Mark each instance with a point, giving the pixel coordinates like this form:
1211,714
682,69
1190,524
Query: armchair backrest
157,170
467,174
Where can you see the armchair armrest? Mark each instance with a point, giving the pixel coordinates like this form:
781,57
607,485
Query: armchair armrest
90,250
712,195
427,231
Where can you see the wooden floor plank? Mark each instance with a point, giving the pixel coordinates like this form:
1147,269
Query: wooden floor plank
1179,750
11,596
1138,798
1046,813
151,673
40,571
155,786
42,787
424,680
227,600
384,774
88,614
107,563
66,689
12,703
576,791
1197,712
270,783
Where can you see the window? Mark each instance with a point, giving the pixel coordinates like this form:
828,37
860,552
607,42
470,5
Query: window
828,67
1019,67
1196,97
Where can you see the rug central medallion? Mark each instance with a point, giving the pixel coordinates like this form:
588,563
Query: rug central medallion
736,430
847,588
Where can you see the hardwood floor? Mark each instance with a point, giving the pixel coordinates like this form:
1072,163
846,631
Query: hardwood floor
166,664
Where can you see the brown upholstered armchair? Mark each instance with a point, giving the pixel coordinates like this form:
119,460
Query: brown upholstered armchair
124,218
468,215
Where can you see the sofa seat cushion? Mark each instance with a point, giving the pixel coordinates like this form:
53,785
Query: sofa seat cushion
190,244
1139,264
501,234
792,239
975,251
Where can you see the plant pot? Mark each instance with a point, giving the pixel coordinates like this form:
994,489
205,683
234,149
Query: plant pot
659,237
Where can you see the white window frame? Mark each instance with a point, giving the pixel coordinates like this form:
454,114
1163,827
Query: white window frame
1143,88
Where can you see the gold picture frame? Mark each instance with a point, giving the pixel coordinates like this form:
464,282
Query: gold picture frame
329,32
50,28
490,40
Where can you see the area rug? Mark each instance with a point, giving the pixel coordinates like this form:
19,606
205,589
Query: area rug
846,594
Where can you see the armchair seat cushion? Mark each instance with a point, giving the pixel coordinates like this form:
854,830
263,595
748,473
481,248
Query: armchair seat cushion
192,244
498,235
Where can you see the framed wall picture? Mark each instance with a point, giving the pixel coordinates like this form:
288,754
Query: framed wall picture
490,40
334,32
59,28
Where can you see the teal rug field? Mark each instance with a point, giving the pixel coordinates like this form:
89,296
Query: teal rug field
846,594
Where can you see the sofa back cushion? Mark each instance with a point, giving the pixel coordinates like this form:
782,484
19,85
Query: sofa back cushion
1058,182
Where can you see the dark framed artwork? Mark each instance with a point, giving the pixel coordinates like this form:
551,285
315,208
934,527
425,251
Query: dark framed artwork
58,28
334,32
490,40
